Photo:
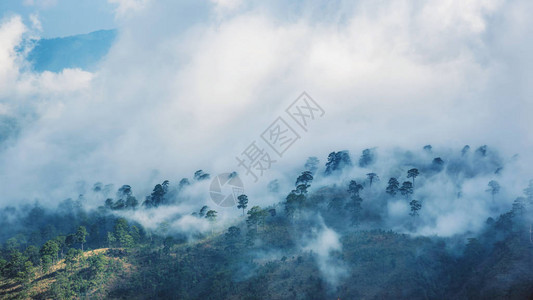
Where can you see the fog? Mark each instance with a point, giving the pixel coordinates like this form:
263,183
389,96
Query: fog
190,85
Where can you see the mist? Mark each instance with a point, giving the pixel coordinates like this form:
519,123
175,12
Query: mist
173,91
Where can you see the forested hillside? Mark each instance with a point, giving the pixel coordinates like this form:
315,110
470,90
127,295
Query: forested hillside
366,226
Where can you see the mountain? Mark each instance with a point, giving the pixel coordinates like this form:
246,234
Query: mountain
333,235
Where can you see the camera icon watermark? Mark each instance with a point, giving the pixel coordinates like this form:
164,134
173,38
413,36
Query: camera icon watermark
225,188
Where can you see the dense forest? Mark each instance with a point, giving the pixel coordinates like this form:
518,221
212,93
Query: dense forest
372,226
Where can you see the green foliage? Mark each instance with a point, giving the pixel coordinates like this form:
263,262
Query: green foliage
46,263
211,215
393,187
81,234
367,158
415,207
337,161
242,202
372,177
51,249
406,189
494,188
413,173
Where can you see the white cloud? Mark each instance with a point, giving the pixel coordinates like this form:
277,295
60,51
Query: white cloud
325,244
126,7
180,92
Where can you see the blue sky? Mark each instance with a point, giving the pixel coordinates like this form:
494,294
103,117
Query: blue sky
63,17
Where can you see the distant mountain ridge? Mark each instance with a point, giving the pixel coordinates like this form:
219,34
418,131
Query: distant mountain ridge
82,51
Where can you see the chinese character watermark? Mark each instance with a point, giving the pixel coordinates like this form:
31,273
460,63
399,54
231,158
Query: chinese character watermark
279,136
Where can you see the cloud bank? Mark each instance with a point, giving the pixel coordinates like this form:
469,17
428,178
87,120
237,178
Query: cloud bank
190,85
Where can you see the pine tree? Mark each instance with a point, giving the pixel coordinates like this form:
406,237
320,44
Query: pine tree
243,203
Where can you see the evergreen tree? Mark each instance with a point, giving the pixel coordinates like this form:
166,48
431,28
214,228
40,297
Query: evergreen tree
51,249
242,202
415,207
201,175
337,161
393,187
412,173
372,177
494,188
203,211
406,189
81,234
367,158
354,189
211,215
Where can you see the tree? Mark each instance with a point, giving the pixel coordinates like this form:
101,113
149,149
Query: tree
354,189
81,234
156,198
184,182
243,202
393,187
122,235
494,188
371,177
71,259
46,263
415,207
337,161
26,275
272,212
256,216
126,197
412,173
482,151
296,198
165,185
303,182
135,234
132,202
70,240
61,242
465,150
294,201
15,264
97,264
111,239
211,215
437,164
200,175
203,210
233,233
519,207
109,203
32,253
406,189
51,249
367,158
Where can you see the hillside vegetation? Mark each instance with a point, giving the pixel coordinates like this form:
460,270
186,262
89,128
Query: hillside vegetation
340,239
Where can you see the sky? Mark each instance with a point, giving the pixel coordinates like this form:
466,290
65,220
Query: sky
188,85
60,18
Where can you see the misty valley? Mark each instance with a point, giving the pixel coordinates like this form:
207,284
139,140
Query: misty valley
423,223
